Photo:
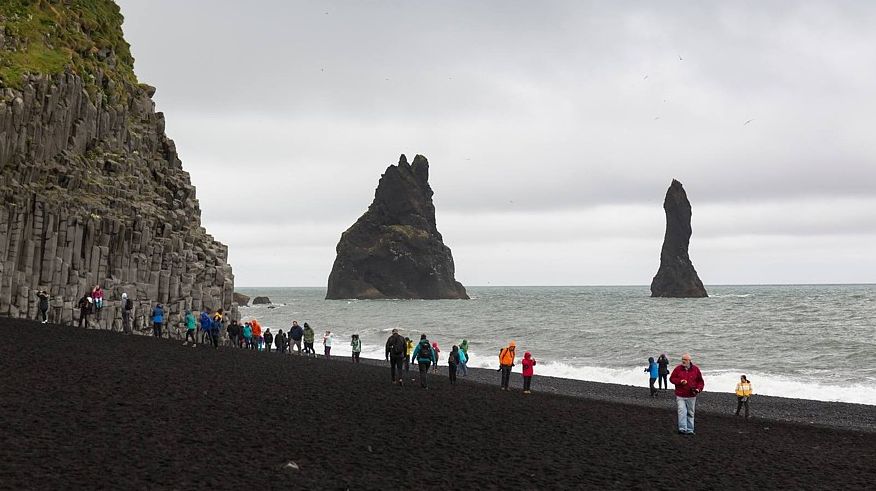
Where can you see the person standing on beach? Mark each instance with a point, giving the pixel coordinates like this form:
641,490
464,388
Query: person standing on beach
269,340
396,355
528,371
743,393
409,348
327,341
424,356
280,342
157,320
463,359
43,306
437,356
84,305
506,362
295,335
191,327
452,363
356,347
688,383
309,337
652,374
206,324
127,308
247,335
234,333
662,371
257,337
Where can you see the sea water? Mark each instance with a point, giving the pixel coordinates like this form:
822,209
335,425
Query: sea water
804,341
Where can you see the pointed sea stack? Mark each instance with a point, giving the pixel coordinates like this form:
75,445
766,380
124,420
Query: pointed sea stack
395,250
677,277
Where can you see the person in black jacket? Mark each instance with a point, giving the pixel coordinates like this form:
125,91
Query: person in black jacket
395,354
84,305
280,342
43,307
662,371
269,339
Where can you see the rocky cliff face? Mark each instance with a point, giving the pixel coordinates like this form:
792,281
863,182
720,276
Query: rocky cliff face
93,190
395,250
677,276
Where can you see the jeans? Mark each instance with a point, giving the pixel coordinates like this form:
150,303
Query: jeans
424,373
651,384
463,368
328,352
355,357
396,368
452,369
506,376
743,401
686,406
297,344
527,382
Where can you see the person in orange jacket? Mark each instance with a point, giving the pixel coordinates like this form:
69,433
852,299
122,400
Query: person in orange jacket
506,362
257,334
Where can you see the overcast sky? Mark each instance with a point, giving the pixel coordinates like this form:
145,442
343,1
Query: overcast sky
553,130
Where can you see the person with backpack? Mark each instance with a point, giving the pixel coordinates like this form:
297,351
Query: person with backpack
506,363
191,327
356,347
127,309
437,356
652,374
42,306
528,364
662,371
84,305
463,360
269,340
327,341
157,319
309,337
396,355
452,363
424,356
295,335
247,335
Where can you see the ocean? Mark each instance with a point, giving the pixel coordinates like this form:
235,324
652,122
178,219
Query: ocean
803,341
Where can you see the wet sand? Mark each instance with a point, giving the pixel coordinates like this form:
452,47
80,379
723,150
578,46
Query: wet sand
90,409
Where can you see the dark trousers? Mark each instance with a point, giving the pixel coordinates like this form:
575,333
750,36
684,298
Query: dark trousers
190,334
527,382
662,382
355,357
407,366
126,321
83,317
215,339
308,348
424,373
156,329
506,375
396,368
741,403
452,370
44,314
651,384
268,347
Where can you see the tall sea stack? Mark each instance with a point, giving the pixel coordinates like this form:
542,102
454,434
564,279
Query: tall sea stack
92,189
677,276
395,250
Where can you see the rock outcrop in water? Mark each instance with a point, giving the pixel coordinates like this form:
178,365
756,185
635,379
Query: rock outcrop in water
92,189
395,250
677,276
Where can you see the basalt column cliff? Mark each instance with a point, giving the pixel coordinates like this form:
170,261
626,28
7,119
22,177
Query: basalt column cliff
677,276
394,250
92,189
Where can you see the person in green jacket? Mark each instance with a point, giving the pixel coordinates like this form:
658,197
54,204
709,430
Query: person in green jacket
191,327
356,345
424,355
308,340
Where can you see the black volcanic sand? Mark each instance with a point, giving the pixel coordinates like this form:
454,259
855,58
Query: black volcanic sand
95,409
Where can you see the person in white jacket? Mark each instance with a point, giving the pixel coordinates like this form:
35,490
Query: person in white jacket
327,343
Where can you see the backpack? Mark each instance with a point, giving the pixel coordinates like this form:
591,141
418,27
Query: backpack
424,352
398,347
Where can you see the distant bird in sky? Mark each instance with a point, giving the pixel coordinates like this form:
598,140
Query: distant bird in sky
745,123
645,77
658,117
680,58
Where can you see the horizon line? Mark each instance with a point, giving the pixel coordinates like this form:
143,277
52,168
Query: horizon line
600,286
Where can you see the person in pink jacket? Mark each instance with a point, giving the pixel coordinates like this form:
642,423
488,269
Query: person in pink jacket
688,382
528,363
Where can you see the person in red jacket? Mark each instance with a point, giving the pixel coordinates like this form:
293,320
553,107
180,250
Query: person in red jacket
528,362
688,383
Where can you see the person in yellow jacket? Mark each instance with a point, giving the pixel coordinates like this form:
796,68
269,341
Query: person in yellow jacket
743,393
409,349
506,362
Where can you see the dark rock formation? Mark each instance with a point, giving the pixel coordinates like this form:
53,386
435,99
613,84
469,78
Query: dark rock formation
677,276
92,189
261,301
394,250
240,298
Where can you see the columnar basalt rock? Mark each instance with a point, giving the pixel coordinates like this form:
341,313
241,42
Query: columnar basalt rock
93,192
395,250
677,276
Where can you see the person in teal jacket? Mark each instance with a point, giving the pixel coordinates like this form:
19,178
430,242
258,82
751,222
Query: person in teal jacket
247,336
191,327
652,374
463,359
424,355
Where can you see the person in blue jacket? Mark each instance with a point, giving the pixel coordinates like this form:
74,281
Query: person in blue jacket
424,355
652,374
206,324
157,320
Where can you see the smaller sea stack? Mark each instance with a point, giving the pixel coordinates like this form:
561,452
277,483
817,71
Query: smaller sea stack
677,277
395,250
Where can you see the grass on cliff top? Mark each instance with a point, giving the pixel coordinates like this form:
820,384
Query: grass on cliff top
47,36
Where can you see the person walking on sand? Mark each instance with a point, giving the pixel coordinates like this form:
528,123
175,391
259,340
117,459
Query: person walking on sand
206,324
127,309
157,319
216,328
257,337
356,347
743,394
425,356
327,339
652,374
688,383
191,327
396,355
233,331
295,335
662,371
269,340
309,337
506,362
409,349
453,363
528,371
437,356
84,305
43,306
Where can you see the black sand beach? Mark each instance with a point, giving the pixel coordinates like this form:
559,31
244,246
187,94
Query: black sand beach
96,409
